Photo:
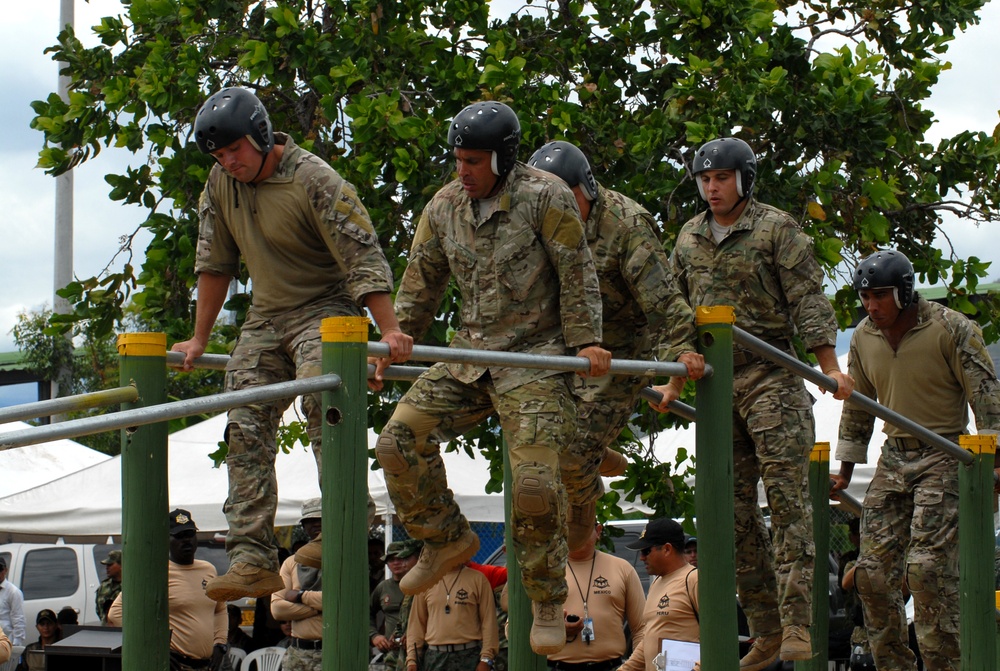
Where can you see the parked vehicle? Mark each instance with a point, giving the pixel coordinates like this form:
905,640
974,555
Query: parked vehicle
55,575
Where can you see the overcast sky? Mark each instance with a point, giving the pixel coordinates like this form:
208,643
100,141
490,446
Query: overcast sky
964,99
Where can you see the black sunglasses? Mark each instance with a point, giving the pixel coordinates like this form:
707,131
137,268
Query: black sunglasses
645,551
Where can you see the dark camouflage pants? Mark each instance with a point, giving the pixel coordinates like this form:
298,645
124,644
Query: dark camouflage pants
461,660
773,434
909,530
538,420
297,659
268,351
604,405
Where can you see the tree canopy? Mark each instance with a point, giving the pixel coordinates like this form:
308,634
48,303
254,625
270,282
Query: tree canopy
830,93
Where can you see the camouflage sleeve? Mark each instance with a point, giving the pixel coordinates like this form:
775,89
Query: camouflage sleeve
856,424
645,269
978,374
579,291
217,251
374,606
424,280
349,235
802,283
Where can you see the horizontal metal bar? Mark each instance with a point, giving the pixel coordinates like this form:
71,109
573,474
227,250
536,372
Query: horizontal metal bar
533,361
850,504
127,419
56,406
209,361
761,348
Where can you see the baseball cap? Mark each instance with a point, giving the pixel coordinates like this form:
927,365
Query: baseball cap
690,540
403,549
46,614
180,521
660,531
114,557
312,509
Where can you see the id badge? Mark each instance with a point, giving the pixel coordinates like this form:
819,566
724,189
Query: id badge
588,630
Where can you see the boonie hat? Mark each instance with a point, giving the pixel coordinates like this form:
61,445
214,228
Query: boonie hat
312,509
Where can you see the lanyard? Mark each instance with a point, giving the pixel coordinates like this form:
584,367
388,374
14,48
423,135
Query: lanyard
447,592
590,582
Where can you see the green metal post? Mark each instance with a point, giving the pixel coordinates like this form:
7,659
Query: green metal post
146,637
519,652
345,495
976,554
819,486
714,492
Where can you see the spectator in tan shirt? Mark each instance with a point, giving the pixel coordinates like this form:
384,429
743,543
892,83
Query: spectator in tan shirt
198,625
604,593
4,646
301,602
453,624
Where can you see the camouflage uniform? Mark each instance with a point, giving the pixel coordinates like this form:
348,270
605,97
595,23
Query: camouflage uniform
298,659
765,269
395,659
528,285
106,593
643,317
909,527
311,253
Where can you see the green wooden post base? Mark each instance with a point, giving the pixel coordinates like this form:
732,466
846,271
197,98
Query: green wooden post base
819,487
976,554
344,482
145,546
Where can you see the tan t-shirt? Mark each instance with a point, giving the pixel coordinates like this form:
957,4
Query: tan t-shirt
669,613
196,622
472,615
306,617
613,593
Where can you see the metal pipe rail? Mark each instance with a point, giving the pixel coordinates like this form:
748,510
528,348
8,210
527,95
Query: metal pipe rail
535,361
55,406
785,360
127,419
209,361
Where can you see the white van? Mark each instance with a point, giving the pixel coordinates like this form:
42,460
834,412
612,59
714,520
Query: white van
55,575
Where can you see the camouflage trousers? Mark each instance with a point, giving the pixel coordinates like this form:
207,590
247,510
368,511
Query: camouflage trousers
538,420
268,351
604,405
298,659
461,660
773,434
909,532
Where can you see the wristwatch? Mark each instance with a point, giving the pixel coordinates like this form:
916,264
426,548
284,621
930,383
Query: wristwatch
487,661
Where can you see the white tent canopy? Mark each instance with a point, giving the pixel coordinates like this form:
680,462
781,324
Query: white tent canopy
26,467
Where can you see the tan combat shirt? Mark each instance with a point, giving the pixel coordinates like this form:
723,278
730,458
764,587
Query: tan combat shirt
303,234
940,367
526,276
670,612
306,617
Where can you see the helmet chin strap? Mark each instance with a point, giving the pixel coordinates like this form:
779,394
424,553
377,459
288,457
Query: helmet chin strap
263,160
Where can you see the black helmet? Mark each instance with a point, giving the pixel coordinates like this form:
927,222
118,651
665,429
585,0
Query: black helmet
727,153
229,115
566,161
886,269
488,126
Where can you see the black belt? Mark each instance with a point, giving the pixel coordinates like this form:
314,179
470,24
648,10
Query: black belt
905,443
189,661
305,644
456,647
606,665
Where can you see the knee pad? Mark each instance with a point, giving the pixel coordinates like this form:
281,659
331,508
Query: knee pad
534,491
869,582
389,454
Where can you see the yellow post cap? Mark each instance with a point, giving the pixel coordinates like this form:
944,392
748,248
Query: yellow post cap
142,344
820,452
982,443
716,314
345,329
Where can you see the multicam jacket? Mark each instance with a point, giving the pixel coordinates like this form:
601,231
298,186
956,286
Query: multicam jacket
526,276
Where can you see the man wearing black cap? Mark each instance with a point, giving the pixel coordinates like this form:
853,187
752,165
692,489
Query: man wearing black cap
672,605
691,551
49,632
111,586
198,625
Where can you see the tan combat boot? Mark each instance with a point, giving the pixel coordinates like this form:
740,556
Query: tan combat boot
434,563
613,463
548,629
762,654
796,644
311,554
243,580
580,521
